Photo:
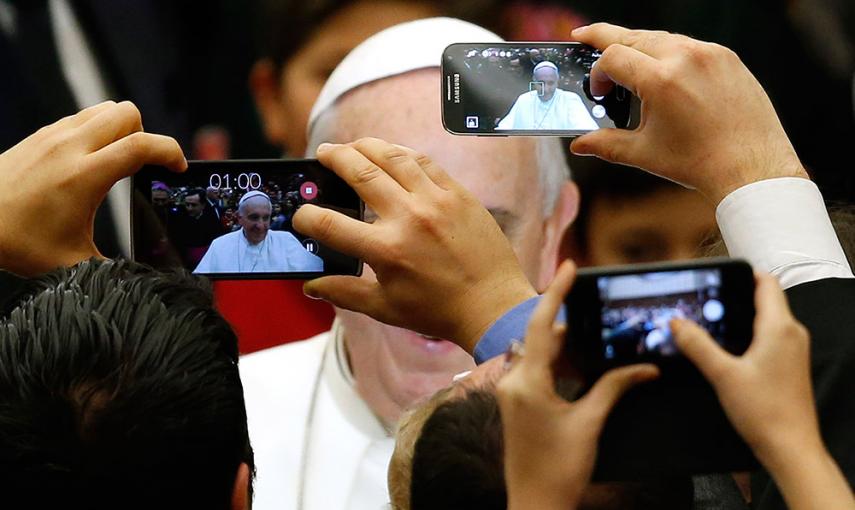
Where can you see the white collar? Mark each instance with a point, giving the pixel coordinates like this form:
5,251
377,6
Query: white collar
339,378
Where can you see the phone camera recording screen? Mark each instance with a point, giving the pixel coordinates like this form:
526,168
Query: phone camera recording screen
526,88
233,218
637,308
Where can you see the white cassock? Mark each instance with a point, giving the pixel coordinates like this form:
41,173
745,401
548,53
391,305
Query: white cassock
311,432
564,111
280,252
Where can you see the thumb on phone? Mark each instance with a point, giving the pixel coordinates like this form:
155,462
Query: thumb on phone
697,345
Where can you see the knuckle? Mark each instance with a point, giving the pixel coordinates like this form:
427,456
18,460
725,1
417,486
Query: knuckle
422,159
363,143
366,174
699,53
610,53
324,225
135,144
130,111
395,154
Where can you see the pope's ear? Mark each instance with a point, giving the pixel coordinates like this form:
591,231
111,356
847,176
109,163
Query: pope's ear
554,228
265,87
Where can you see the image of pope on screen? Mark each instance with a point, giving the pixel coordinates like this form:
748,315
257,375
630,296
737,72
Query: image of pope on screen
254,248
547,107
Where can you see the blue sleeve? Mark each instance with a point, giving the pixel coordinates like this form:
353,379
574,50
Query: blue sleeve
509,327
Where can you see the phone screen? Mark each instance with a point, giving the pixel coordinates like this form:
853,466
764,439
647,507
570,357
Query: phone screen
620,315
233,219
526,89
637,308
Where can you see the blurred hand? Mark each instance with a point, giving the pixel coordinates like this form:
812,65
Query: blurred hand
551,444
52,182
768,397
442,264
706,122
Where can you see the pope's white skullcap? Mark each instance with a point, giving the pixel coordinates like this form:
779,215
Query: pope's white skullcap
397,50
253,194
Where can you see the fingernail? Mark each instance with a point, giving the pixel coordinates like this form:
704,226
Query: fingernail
324,147
460,376
676,326
579,30
310,292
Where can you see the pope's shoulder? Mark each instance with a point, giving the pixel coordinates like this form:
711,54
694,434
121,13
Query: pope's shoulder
285,362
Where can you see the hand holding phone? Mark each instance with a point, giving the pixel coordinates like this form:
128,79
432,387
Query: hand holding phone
53,181
433,248
701,106
526,89
551,444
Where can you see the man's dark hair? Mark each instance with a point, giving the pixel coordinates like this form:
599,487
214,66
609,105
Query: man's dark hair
199,192
119,388
598,179
458,463
285,26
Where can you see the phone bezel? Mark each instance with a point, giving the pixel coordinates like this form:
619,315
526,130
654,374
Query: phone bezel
451,110
352,266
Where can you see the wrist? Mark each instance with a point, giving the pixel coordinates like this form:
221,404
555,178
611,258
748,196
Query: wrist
755,170
488,305
787,452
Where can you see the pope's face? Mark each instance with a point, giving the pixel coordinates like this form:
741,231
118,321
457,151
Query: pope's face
502,173
255,220
549,77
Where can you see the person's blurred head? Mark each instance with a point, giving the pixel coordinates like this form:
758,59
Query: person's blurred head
523,182
254,213
302,42
119,387
628,216
159,195
194,203
547,74
212,193
449,453
160,198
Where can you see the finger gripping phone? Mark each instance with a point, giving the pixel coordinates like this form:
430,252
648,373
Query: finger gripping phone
620,316
673,426
233,219
520,88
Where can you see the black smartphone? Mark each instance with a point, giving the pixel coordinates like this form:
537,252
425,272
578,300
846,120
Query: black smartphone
620,315
520,88
232,219
673,426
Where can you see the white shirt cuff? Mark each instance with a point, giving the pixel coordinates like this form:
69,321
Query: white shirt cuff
781,227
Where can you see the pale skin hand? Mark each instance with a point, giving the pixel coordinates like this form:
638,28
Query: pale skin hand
52,182
767,395
706,122
551,444
443,266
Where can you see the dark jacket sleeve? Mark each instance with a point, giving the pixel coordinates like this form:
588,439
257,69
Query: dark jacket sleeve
827,309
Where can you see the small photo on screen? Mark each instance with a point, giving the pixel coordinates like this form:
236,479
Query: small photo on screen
637,309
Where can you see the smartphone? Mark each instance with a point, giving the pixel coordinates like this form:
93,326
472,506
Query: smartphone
520,88
673,426
232,219
620,315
